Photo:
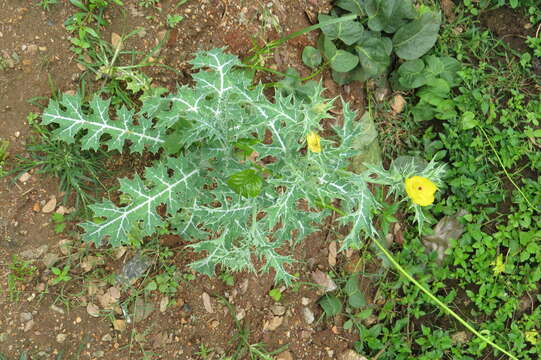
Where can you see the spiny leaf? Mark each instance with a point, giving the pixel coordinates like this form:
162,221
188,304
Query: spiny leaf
73,120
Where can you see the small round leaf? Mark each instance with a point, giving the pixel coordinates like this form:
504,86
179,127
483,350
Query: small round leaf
311,57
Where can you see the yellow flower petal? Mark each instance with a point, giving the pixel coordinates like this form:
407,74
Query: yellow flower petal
420,190
313,141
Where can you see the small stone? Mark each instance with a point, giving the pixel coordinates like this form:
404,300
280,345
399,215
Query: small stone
119,325
24,177
42,48
186,308
25,316
50,259
60,338
398,103
99,354
17,134
33,254
350,355
308,315
286,355
32,49
305,301
78,320
206,303
273,323
107,338
163,304
241,314
278,309
93,310
28,326
57,309
49,206
62,210
460,337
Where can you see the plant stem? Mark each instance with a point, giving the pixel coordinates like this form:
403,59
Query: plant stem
437,301
505,170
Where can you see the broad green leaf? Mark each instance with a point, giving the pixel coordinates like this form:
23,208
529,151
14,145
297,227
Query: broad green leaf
330,304
422,112
347,31
388,15
469,121
353,6
374,54
434,89
311,57
355,296
343,61
414,39
412,74
247,183
327,47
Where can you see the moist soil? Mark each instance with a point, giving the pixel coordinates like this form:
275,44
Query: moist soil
53,321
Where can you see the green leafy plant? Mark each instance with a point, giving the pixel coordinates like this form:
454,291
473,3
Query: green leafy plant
59,222
62,275
433,78
174,20
148,3
79,170
275,294
4,145
91,12
209,174
45,4
20,272
358,53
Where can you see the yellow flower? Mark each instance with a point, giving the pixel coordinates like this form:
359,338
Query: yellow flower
420,190
313,141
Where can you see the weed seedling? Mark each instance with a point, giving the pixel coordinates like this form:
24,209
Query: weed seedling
62,275
174,20
20,272
45,4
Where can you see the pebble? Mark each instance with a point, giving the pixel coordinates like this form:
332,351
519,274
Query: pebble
24,177
286,355
60,338
57,309
49,206
25,316
107,338
305,301
273,323
241,314
28,326
350,355
278,309
308,315
32,254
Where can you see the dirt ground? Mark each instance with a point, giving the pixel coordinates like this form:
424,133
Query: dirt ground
46,323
